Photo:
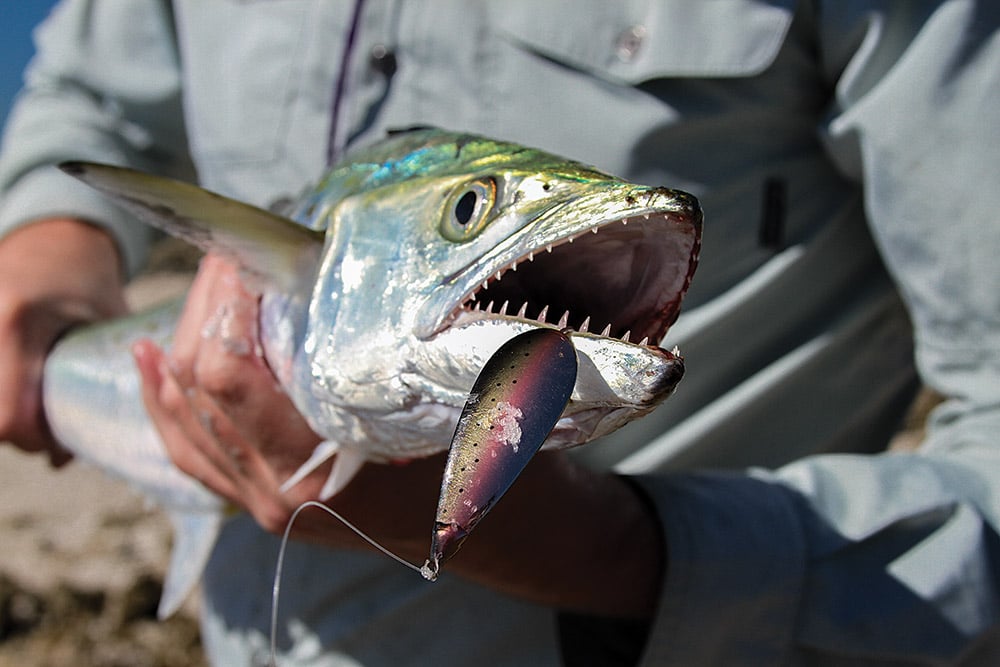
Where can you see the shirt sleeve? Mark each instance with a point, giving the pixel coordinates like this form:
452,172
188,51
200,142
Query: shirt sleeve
890,558
104,85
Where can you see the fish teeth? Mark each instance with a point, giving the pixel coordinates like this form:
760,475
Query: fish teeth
548,248
542,315
625,338
564,320
486,283
607,331
585,327
489,307
644,341
593,230
524,310
531,255
499,274
503,308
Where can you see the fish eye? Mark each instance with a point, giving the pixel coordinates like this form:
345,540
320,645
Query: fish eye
466,206
468,209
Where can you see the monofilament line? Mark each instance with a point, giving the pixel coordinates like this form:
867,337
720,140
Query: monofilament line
276,590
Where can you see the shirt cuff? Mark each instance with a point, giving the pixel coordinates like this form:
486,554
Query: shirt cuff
48,193
734,578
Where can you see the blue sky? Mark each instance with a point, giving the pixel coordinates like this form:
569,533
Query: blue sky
17,18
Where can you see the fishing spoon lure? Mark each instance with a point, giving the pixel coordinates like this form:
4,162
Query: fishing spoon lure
514,405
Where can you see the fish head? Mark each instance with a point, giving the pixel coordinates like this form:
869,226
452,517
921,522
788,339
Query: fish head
440,247
414,260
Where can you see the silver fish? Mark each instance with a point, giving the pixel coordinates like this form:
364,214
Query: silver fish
395,280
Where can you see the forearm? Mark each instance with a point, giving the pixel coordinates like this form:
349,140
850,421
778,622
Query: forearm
572,539
66,259
562,536
53,274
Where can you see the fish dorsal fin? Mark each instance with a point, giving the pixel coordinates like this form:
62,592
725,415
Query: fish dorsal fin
265,244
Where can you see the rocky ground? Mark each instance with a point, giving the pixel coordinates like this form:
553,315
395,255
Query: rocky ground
80,573
83,556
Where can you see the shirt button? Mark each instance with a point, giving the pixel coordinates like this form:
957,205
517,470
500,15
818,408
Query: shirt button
629,41
383,60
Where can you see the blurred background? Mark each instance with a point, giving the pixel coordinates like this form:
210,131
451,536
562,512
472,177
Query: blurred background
17,18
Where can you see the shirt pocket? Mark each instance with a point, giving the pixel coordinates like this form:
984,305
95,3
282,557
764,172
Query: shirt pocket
633,41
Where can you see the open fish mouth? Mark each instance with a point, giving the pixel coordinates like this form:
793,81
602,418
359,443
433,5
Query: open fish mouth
622,279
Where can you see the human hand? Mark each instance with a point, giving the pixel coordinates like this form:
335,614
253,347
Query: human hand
220,412
54,274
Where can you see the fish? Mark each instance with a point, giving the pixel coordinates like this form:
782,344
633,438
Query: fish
385,290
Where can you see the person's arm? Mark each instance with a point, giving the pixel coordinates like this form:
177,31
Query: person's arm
54,274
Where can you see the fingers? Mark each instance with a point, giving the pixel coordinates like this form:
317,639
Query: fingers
221,414
184,439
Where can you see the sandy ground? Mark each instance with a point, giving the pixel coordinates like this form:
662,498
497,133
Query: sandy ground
83,556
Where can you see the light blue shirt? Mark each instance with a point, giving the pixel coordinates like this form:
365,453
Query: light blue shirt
825,140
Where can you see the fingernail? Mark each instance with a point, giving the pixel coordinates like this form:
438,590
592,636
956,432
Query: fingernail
140,353
144,354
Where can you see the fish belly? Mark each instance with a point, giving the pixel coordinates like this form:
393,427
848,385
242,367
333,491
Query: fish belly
93,404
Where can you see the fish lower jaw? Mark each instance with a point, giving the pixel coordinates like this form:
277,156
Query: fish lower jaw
499,317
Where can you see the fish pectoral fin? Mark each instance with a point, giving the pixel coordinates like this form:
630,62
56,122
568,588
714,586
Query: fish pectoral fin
194,539
319,456
268,245
345,467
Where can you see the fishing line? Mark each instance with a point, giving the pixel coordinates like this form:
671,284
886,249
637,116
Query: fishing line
276,589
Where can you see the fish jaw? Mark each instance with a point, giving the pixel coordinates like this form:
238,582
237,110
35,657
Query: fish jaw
611,266
617,382
395,289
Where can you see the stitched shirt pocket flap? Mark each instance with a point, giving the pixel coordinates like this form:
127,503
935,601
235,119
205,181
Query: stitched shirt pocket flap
638,40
